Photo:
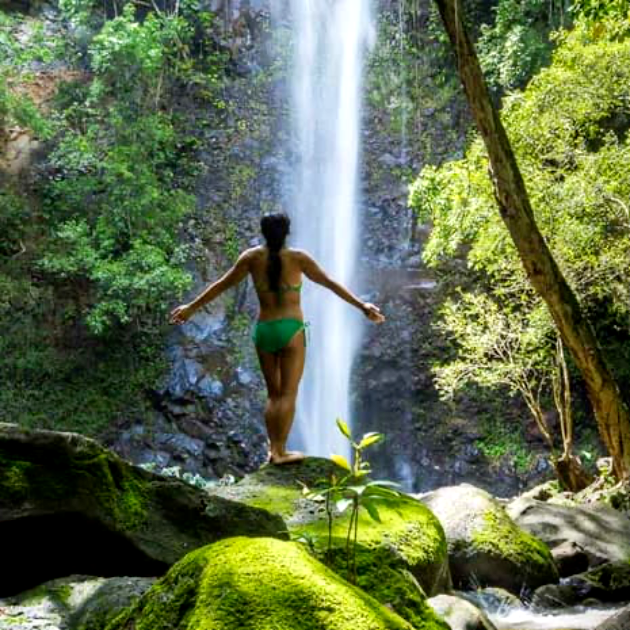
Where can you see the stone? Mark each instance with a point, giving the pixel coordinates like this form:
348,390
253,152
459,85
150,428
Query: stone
77,602
210,388
398,559
609,582
554,596
460,614
618,621
256,584
68,505
600,531
492,599
570,558
485,546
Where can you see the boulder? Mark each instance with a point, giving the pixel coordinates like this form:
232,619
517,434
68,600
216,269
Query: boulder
492,599
77,602
555,596
570,558
460,614
485,546
619,621
68,505
602,533
398,559
258,584
608,582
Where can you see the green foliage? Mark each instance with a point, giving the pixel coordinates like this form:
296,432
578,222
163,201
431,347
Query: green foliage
92,256
501,441
604,18
16,109
352,491
517,44
569,134
569,130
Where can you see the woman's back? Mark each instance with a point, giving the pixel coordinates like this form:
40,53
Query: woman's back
284,303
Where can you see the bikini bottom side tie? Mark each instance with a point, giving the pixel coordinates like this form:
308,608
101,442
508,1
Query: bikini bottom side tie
275,334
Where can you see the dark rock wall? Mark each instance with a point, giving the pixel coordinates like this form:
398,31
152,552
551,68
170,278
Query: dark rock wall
208,415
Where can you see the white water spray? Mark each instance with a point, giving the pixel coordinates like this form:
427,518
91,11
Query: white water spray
331,37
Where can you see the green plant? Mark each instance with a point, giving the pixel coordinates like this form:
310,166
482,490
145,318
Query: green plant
352,491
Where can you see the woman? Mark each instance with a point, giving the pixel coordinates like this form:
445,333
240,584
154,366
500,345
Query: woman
279,335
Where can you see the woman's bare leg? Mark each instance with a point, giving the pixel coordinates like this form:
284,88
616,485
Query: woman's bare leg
291,368
270,366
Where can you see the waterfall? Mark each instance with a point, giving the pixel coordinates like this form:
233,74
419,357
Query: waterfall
330,41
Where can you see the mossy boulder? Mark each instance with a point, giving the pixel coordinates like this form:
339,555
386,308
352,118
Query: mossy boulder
485,546
257,584
399,560
76,602
68,505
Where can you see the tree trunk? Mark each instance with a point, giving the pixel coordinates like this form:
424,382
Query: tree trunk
611,412
571,474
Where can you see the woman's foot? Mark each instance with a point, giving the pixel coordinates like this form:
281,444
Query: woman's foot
287,457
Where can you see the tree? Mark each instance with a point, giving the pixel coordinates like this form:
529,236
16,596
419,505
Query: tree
611,412
503,346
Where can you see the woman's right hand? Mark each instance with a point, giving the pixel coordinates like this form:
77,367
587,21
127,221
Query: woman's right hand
373,313
182,314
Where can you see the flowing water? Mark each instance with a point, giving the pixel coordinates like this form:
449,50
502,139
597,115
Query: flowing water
331,38
576,618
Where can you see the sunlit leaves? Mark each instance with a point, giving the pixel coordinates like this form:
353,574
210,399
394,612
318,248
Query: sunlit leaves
340,460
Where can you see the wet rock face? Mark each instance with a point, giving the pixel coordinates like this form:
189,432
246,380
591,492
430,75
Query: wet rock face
68,505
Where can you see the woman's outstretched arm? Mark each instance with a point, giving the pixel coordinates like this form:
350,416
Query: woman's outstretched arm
231,278
314,272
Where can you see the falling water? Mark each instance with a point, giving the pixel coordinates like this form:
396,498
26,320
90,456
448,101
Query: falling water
331,37
403,81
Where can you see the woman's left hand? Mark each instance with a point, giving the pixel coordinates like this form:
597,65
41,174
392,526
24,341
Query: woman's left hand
181,314
373,313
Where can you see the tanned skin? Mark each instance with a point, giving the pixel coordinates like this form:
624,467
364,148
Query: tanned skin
282,370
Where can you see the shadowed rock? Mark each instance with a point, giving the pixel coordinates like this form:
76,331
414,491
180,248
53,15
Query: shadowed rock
68,505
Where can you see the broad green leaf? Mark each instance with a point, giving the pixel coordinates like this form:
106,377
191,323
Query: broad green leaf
384,483
340,460
371,509
344,428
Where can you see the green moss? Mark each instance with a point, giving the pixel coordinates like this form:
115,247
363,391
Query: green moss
13,481
58,594
381,575
612,576
276,499
396,559
89,475
407,524
256,584
501,536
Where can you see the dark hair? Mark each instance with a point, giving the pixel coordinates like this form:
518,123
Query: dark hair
275,227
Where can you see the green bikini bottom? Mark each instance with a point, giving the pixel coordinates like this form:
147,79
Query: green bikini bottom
274,334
